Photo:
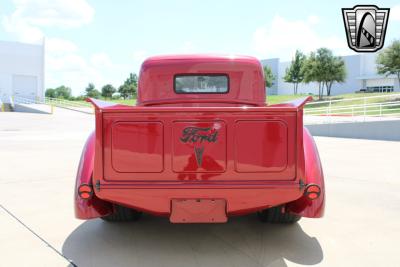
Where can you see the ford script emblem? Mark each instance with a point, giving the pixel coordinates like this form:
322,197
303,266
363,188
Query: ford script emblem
199,136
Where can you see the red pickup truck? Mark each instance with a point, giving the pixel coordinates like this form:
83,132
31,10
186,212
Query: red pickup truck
200,145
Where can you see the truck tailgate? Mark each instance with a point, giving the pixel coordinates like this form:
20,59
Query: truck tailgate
188,144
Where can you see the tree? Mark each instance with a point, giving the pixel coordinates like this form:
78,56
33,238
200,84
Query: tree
336,72
91,91
107,90
125,90
129,88
132,79
51,93
312,73
63,92
268,76
293,73
323,67
59,92
389,60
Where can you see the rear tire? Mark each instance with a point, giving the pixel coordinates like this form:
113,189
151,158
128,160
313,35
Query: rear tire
122,214
275,215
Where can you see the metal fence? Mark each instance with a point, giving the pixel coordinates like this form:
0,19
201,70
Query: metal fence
385,107
80,106
55,102
382,107
66,103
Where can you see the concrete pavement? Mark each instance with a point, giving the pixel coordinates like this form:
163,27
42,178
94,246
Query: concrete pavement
39,154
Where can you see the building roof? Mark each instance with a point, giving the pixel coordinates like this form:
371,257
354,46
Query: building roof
374,77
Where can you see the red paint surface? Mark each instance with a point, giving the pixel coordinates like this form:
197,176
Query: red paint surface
252,156
94,207
246,82
135,147
314,175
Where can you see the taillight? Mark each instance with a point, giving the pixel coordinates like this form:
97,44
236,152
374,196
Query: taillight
85,191
312,191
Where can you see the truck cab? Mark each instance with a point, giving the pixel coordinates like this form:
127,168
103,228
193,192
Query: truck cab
201,81
200,145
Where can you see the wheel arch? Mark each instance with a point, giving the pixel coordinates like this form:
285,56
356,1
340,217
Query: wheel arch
93,207
313,175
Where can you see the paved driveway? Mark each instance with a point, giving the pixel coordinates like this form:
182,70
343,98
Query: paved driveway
38,158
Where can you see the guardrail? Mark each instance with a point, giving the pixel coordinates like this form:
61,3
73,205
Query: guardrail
55,102
66,103
348,110
23,100
329,111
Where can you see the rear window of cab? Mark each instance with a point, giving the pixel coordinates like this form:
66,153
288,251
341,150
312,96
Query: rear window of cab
201,84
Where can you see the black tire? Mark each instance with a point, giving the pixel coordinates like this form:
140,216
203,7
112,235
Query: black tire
275,215
122,214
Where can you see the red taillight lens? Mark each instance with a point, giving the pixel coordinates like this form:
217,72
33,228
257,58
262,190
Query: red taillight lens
85,191
312,191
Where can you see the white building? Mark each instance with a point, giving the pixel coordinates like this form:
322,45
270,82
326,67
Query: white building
21,71
361,74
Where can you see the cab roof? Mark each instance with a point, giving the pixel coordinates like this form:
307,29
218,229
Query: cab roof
156,79
203,57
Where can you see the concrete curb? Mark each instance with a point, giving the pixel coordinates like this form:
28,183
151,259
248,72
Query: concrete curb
376,130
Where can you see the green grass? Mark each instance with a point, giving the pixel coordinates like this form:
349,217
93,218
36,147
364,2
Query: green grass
376,110
124,101
276,99
270,99
386,97
120,101
355,101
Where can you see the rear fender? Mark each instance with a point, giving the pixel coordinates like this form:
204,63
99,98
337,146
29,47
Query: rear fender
313,174
93,207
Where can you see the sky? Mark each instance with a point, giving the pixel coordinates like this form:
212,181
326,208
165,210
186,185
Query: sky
103,41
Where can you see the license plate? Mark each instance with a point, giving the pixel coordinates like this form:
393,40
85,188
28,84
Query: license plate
198,211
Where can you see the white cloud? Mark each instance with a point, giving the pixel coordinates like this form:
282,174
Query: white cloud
64,63
73,70
395,13
50,13
58,45
282,37
30,16
65,66
101,59
23,30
